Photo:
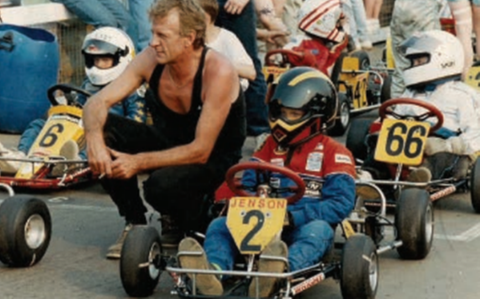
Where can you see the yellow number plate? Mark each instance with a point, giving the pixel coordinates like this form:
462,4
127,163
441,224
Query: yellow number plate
473,77
401,141
272,73
254,221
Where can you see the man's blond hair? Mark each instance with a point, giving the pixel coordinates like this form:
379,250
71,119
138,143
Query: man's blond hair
191,17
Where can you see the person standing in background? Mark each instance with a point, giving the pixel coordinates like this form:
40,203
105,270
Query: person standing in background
407,18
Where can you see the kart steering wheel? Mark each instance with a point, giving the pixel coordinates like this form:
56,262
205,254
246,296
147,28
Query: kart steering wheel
264,168
386,109
66,89
284,53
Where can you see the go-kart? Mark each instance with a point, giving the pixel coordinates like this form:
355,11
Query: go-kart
45,167
399,142
25,229
361,87
254,217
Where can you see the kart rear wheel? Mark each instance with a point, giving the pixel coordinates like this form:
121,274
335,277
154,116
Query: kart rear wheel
414,222
25,230
140,261
475,186
356,135
363,59
360,272
385,93
343,117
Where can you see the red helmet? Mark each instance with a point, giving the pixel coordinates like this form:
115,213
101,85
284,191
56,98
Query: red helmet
321,18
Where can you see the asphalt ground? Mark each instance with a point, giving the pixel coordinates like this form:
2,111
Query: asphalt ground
86,223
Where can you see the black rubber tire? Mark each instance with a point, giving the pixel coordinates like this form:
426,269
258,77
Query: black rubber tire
355,140
25,230
385,93
414,220
475,186
142,245
341,124
360,272
363,59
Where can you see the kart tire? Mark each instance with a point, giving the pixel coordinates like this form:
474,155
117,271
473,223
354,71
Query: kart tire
343,113
359,273
385,93
475,186
356,135
337,68
414,223
363,59
142,246
25,230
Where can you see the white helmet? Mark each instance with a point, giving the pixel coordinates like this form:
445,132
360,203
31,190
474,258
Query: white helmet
107,41
321,18
444,52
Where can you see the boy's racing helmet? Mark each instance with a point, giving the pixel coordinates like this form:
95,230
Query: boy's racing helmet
306,89
321,18
107,41
443,50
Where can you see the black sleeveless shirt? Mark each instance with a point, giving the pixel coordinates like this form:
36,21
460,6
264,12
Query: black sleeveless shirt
180,128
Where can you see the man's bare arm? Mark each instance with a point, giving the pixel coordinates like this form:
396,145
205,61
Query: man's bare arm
96,110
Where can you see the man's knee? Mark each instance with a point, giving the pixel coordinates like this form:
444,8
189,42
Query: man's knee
316,230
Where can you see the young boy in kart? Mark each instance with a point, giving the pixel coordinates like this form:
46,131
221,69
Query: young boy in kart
107,52
436,64
302,104
324,39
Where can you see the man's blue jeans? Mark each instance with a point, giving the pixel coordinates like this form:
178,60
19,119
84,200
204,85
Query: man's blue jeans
100,13
306,244
244,27
139,12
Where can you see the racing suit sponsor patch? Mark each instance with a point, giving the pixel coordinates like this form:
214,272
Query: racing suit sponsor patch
313,188
277,162
314,161
340,158
319,147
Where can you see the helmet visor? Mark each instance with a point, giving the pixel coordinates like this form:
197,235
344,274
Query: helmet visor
418,44
99,47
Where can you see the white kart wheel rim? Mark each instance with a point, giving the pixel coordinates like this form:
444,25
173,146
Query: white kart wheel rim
429,224
373,271
34,231
153,255
344,115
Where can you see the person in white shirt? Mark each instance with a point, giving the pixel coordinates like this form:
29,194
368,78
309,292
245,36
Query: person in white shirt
436,64
227,43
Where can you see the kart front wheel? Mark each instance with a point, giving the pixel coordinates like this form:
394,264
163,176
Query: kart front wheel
359,273
356,135
140,261
25,230
475,186
342,120
414,223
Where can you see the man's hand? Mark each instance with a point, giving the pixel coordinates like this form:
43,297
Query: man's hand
124,166
99,159
235,7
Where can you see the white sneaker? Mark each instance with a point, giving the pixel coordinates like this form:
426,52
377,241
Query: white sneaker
10,167
366,45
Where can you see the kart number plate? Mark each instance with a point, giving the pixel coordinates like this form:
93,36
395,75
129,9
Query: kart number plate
254,221
401,141
272,73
